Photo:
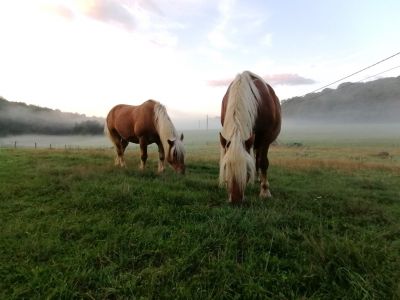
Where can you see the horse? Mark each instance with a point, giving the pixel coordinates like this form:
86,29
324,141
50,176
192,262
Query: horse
251,121
145,124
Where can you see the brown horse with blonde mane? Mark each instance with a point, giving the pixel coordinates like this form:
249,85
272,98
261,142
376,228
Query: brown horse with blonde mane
145,124
251,121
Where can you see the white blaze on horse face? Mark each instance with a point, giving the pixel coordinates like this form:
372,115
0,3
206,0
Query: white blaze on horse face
176,155
236,193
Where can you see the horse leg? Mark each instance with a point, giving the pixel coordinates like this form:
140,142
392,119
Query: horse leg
161,155
263,165
257,153
143,151
120,146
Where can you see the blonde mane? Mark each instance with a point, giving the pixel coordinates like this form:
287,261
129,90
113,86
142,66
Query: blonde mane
167,131
240,116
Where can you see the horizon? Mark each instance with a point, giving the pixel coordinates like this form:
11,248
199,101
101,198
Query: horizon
84,57
190,121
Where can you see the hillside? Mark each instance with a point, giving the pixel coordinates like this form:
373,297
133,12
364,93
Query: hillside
371,102
20,118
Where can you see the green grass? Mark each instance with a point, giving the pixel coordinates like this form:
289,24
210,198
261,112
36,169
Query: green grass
73,226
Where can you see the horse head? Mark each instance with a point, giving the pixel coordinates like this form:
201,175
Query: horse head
237,165
176,154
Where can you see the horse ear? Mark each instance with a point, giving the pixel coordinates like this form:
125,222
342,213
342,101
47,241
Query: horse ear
222,140
181,136
249,142
171,142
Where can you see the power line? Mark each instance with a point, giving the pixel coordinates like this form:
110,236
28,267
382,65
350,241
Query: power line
379,73
356,72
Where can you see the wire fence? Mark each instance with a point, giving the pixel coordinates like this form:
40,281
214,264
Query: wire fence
36,145
55,142
193,138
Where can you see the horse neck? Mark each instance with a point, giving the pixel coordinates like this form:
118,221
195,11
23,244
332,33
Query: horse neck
164,126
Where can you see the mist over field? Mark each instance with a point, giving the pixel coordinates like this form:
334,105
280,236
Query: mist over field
191,138
354,112
374,102
332,134
329,231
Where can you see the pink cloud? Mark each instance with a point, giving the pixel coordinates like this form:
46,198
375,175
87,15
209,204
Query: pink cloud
109,11
287,79
59,10
120,12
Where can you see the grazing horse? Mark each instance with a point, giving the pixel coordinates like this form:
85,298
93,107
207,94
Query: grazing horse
251,121
145,124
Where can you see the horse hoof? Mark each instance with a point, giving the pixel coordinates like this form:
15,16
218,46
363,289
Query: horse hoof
265,194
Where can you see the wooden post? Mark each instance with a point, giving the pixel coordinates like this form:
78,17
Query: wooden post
15,144
35,145
50,146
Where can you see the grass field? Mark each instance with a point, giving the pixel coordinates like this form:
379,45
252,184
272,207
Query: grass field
73,226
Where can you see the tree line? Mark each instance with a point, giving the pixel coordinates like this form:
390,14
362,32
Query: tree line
14,127
376,101
19,118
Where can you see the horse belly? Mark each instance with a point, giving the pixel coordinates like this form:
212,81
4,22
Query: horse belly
125,131
149,136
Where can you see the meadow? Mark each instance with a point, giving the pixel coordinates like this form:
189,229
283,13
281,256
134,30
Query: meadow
74,226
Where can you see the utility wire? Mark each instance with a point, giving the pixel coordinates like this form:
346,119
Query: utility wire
379,73
355,72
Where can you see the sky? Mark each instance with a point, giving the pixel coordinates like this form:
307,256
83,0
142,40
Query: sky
86,56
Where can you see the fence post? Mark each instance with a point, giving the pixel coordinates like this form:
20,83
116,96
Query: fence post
35,145
50,146
15,144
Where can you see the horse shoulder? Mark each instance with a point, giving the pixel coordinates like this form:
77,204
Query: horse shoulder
123,120
144,119
268,123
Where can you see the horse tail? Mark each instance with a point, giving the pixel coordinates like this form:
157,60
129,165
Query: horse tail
107,131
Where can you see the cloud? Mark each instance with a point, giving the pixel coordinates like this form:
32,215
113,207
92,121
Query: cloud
275,79
218,37
288,79
237,25
59,10
219,82
109,11
144,17
266,40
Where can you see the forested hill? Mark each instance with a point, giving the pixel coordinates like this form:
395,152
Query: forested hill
20,118
371,102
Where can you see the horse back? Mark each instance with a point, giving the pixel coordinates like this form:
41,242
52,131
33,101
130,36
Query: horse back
132,122
268,121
